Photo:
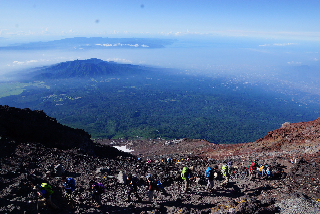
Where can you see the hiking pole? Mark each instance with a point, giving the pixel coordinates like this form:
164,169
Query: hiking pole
37,202
37,198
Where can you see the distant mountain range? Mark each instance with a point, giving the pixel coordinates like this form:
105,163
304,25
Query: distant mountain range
84,43
87,69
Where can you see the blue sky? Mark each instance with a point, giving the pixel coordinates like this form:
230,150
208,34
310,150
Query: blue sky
210,34
31,20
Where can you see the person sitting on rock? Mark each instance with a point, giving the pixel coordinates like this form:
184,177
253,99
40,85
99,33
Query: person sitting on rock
97,189
133,187
69,185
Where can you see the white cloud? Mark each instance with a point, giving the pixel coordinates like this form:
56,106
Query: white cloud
18,63
119,44
1,31
284,44
31,61
294,63
119,60
315,59
278,44
27,62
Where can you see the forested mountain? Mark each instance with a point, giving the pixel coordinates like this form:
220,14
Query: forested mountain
111,100
87,69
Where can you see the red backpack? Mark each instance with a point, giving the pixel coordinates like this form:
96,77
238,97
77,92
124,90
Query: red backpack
252,166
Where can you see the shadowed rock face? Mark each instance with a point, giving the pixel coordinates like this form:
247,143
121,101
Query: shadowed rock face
25,125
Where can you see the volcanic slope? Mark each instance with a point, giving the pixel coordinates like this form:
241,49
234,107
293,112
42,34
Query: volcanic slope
36,160
89,68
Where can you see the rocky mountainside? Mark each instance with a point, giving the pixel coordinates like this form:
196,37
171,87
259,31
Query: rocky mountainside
27,126
30,157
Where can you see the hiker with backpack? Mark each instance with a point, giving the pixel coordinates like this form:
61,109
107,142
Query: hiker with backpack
269,173
97,189
44,192
226,174
186,175
133,182
209,174
262,171
252,169
152,186
69,185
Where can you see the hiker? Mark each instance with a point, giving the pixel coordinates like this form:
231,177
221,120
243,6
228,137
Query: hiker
209,174
152,186
269,173
69,185
169,161
226,174
262,171
186,175
252,169
133,187
44,192
229,164
97,189
161,188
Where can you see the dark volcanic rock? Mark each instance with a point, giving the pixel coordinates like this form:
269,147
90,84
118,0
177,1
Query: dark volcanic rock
25,125
59,150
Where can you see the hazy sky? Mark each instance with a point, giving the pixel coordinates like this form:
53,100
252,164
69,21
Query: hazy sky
209,34
270,19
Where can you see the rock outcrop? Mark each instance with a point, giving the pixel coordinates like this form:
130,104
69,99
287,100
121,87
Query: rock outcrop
25,125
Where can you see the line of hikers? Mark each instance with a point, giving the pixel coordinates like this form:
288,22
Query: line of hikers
211,174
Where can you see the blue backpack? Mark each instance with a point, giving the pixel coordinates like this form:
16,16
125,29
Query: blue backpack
208,172
159,184
70,184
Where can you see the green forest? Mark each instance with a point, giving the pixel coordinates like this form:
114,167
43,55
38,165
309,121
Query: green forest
163,106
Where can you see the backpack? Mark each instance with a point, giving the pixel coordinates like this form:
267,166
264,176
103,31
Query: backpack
261,168
208,173
159,185
184,173
153,185
99,188
70,184
46,189
225,169
252,166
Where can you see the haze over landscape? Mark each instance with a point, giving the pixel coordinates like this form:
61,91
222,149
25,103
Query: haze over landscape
106,90
256,51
